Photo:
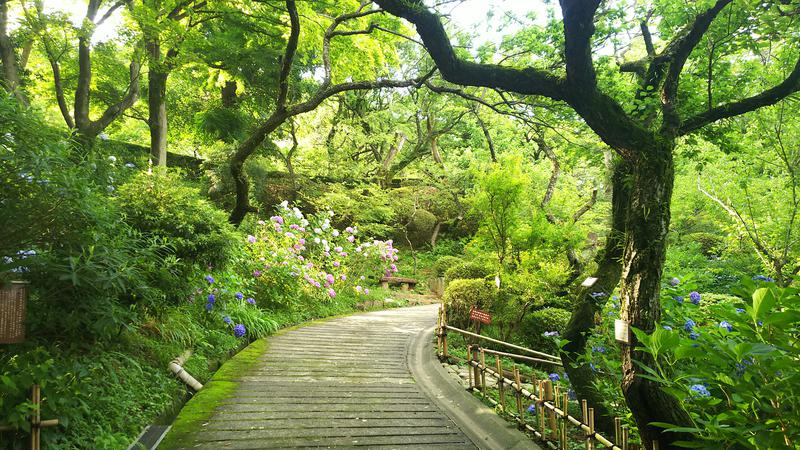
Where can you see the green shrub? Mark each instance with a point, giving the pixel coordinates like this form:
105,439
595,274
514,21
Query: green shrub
444,263
461,295
161,204
536,323
466,271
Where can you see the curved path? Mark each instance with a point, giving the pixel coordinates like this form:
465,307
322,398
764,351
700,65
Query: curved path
366,380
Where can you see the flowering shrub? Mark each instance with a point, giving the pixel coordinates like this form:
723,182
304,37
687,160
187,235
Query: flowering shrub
732,363
228,308
293,255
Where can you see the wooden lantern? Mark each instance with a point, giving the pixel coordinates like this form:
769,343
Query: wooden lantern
13,300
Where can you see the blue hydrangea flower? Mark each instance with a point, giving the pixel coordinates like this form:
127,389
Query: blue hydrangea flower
251,301
689,325
238,295
763,278
694,335
726,325
695,297
667,327
212,298
209,306
554,377
550,333
678,298
210,279
740,310
699,390
239,330
227,320
674,282
599,349
532,409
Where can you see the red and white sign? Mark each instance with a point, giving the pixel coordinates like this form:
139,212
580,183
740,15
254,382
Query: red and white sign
480,316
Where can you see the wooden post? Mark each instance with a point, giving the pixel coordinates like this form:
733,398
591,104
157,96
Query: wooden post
655,445
565,413
551,415
500,385
540,407
469,365
444,332
439,332
624,437
585,421
518,393
483,372
476,374
36,419
591,429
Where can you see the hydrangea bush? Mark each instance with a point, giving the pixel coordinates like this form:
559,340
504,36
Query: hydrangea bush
733,363
292,255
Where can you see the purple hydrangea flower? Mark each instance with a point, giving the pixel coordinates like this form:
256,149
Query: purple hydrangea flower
209,278
251,301
554,377
227,320
256,273
331,293
239,330
238,295
695,297
277,219
699,390
366,291
251,239
674,282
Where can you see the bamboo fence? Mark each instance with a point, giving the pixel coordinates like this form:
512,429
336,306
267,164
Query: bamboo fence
553,420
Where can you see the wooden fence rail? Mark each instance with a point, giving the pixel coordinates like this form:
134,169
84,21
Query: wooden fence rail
552,405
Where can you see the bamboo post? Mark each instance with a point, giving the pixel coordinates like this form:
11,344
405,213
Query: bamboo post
439,332
469,365
565,413
483,372
476,375
500,385
551,415
618,431
585,420
518,395
591,429
540,407
36,397
655,445
624,437
444,332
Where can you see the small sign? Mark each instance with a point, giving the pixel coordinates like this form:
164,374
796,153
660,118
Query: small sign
476,314
622,332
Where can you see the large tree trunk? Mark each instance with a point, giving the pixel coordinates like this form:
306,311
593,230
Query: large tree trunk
609,268
9,58
646,228
157,105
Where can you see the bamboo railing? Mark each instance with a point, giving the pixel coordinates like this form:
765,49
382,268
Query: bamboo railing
552,405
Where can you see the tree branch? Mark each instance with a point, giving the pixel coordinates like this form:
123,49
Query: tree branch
288,56
578,31
113,111
528,81
679,51
771,96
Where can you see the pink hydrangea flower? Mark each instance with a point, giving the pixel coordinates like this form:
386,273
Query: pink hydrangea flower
331,293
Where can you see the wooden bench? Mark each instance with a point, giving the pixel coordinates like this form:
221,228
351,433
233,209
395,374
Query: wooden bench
404,283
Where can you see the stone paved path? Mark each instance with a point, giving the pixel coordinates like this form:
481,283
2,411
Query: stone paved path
341,383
